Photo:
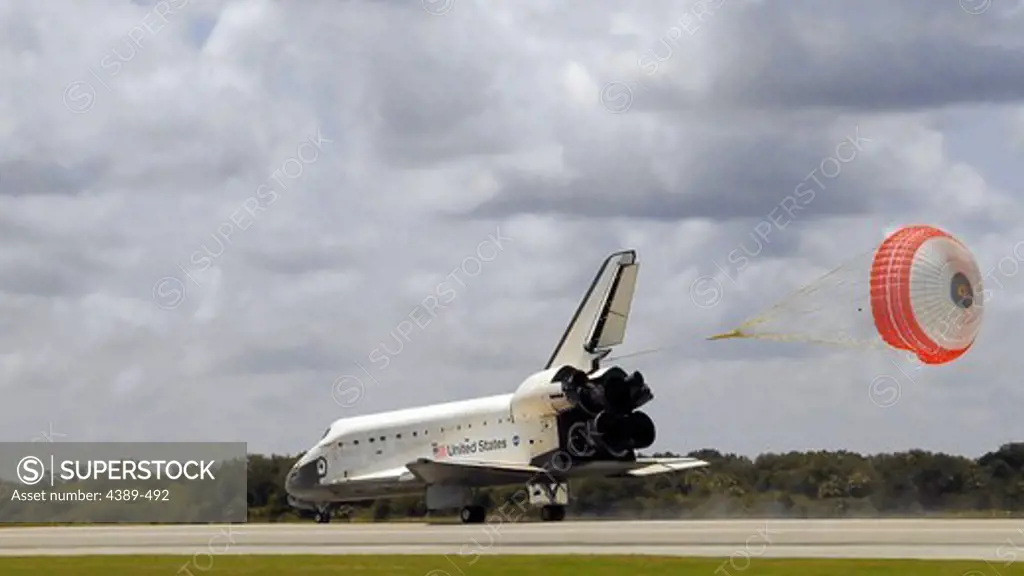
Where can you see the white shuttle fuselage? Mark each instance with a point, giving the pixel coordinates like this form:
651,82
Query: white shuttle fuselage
571,419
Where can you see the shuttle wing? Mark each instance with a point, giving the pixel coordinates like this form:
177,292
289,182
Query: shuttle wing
473,473
481,473
639,468
599,323
401,474
652,466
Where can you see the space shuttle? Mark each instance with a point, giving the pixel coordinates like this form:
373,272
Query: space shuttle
574,418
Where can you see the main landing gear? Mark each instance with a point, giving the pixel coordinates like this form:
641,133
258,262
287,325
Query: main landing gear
477,514
552,513
551,498
472,514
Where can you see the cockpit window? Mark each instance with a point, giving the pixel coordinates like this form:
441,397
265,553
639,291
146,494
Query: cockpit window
326,432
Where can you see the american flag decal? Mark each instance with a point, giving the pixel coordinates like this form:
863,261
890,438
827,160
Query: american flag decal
439,451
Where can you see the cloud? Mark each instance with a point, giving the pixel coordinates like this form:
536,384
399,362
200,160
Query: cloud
178,262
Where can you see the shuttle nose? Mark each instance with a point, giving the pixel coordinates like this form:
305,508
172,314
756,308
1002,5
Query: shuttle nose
306,474
291,482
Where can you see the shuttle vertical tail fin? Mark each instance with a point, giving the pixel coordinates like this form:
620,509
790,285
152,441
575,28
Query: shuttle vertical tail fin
600,321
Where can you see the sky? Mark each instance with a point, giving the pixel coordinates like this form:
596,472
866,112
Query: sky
218,217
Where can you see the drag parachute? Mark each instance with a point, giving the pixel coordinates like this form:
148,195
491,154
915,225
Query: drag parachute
919,291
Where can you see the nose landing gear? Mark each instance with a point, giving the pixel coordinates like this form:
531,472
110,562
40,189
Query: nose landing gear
323,515
326,512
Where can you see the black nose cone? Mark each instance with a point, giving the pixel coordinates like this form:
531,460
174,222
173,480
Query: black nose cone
306,476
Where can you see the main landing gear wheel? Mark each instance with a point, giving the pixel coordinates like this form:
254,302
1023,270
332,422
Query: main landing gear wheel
473,514
552,513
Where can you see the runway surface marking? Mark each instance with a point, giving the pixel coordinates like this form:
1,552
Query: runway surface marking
925,539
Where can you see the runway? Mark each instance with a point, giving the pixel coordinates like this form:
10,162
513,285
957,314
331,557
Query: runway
740,539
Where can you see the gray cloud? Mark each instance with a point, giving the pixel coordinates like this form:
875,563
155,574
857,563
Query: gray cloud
873,56
447,128
27,177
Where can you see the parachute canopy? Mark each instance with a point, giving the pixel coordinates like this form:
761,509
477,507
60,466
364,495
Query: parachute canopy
919,291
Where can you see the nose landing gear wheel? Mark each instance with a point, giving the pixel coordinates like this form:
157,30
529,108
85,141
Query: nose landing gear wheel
552,513
472,514
323,516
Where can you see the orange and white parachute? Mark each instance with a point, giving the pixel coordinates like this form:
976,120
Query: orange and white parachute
919,291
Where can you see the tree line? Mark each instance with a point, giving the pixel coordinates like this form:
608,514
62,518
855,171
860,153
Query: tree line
813,484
